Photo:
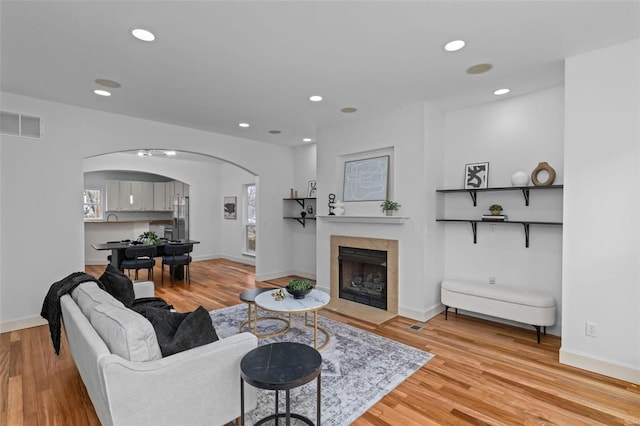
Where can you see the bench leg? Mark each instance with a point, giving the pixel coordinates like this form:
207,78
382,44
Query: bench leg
446,312
538,332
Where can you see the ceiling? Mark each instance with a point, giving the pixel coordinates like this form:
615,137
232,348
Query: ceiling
215,64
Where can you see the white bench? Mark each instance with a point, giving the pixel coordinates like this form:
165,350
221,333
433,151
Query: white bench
525,306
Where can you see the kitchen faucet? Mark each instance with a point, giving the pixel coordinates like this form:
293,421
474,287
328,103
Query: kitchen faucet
112,214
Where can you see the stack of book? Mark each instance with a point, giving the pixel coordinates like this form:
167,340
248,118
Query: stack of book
494,217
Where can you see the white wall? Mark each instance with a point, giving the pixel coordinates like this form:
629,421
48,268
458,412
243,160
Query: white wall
42,184
403,132
232,180
303,240
511,134
601,253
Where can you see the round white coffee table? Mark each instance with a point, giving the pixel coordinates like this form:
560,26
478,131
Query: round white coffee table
312,303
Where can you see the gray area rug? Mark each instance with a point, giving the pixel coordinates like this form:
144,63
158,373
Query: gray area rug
358,367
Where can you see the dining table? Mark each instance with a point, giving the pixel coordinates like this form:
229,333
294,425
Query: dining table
118,249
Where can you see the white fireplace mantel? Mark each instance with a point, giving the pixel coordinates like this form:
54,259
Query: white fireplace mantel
386,220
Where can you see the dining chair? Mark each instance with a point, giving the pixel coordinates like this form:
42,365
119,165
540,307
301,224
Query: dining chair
140,257
177,255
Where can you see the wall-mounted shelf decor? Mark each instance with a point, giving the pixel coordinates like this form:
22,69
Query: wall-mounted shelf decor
474,226
305,204
525,191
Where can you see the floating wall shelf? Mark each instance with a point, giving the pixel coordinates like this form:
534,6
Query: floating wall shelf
474,226
303,202
525,191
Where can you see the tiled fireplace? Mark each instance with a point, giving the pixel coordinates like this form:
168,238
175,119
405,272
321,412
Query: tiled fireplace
364,277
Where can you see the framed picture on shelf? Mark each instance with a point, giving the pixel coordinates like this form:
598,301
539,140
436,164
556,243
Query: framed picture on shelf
366,180
311,193
476,175
230,211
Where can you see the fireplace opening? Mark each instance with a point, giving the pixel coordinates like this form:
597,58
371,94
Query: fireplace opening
363,276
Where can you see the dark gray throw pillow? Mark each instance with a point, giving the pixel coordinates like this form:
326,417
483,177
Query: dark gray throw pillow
118,285
177,332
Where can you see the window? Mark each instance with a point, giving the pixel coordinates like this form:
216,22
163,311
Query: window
250,218
92,204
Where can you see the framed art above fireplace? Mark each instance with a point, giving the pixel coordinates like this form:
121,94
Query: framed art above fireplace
366,179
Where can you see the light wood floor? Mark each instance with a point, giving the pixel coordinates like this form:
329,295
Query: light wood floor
483,373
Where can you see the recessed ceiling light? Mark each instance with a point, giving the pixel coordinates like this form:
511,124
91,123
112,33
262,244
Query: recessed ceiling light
501,92
102,92
315,98
170,153
107,83
479,68
275,132
243,124
143,35
454,45
306,140
349,110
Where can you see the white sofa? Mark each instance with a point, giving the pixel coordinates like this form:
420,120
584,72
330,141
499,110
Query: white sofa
132,384
522,305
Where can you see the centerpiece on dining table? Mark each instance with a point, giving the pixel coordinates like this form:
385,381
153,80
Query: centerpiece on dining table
299,288
149,237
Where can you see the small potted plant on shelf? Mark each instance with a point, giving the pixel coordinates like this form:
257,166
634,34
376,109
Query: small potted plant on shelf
299,288
495,209
389,206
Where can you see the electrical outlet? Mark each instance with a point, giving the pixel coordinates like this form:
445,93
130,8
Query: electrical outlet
591,329
492,280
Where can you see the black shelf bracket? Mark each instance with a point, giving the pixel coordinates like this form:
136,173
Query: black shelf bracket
474,229
301,221
474,197
526,234
525,193
300,201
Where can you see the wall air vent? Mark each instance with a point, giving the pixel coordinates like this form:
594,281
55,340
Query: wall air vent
20,125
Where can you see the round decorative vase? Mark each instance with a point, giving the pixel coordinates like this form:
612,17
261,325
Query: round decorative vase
495,212
519,179
388,212
303,214
546,167
298,294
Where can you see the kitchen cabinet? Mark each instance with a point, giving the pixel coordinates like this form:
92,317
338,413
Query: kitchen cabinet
124,195
113,195
142,196
180,189
160,196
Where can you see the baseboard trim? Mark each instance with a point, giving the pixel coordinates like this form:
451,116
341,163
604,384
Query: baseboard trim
273,275
601,366
22,323
420,315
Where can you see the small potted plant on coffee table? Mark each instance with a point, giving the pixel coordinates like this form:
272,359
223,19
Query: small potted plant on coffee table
299,288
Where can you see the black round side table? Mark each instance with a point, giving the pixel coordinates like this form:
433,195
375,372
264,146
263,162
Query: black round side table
249,297
281,366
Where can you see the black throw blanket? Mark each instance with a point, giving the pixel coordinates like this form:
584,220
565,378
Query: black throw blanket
51,310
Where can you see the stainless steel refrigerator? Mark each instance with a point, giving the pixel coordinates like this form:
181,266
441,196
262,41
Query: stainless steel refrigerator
181,218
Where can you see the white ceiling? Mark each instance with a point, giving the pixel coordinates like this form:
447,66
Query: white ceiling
217,63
